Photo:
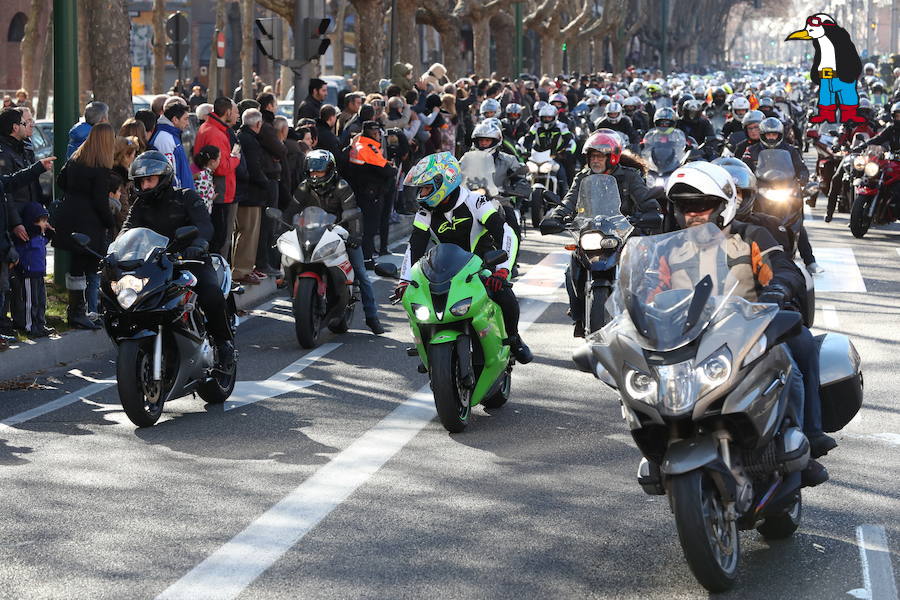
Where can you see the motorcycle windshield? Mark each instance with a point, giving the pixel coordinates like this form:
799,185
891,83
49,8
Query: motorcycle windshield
598,196
718,122
478,171
443,261
664,151
775,165
672,286
540,156
137,244
311,224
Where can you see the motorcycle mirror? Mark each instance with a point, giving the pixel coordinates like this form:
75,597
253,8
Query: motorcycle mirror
81,239
583,358
494,258
386,269
273,213
186,233
785,325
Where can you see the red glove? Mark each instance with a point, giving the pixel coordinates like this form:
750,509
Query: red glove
495,282
397,296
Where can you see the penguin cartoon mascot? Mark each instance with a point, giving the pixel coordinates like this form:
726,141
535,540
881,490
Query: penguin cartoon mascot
836,68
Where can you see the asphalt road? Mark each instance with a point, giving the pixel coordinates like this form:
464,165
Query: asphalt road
338,483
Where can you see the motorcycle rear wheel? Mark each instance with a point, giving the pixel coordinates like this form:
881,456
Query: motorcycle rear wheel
710,543
307,320
859,220
342,325
451,398
141,397
501,396
220,386
779,527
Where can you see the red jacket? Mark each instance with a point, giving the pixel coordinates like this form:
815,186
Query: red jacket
214,132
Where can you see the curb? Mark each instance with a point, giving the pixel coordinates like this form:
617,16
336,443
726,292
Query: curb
74,346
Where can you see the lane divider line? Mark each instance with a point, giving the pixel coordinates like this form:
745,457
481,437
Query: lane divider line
236,564
875,560
830,317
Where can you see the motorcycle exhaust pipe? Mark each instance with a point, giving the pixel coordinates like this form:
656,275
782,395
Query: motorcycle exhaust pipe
157,355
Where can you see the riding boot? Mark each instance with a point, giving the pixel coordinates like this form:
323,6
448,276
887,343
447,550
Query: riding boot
76,312
848,113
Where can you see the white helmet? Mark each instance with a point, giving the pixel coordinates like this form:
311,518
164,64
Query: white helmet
614,112
701,185
538,106
632,101
547,116
868,66
487,129
557,97
489,105
740,103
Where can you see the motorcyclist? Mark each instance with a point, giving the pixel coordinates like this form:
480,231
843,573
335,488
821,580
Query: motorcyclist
694,124
449,213
848,132
508,171
617,121
489,109
561,103
603,155
514,126
550,134
322,186
634,110
159,206
740,106
889,136
654,91
880,97
739,141
702,193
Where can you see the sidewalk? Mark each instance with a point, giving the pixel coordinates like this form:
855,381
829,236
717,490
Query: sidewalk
72,346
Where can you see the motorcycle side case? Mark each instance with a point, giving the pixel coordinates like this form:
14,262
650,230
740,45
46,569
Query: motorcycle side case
840,381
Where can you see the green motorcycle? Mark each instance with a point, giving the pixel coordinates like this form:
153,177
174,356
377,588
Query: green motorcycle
459,332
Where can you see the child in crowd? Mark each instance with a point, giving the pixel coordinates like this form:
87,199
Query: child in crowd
29,292
206,160
119,204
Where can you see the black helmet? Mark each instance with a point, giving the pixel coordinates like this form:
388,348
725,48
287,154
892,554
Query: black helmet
150,163
321,160
744,181
771,125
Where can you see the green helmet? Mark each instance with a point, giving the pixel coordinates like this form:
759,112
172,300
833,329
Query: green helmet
441,171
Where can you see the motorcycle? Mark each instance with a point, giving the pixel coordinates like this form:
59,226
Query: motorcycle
323,286
153,316
664,152
876,193
459,332
703,380
542,176
479,175
826,162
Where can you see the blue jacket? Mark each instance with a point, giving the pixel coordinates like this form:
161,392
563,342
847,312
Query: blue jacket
173,147
33,253
77,135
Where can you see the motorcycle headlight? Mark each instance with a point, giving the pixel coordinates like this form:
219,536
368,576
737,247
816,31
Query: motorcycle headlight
609,243
871,169
678,387
532,167
288,250
715,370
421,312
322,251
128,282
591,241
778,195
460,308
859,163
127,298
640,386
546,167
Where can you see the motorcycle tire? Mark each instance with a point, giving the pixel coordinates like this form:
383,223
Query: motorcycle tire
342,325
451,399
220,386
307,319
595,305
536,205
501,396
779,527
696,504
134,381
845,202
859,220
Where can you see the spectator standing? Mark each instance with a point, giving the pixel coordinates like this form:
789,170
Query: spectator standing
274,155
157,105
196,98
325,130
29,289
354,127
167,139
402,76
352,102
370,176
149,119
94,113
127,149
206,161
293,163
216,131
22,100
252,195
84,180
203,111
132,128
312,104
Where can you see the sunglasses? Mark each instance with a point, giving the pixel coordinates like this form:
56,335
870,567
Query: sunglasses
818,22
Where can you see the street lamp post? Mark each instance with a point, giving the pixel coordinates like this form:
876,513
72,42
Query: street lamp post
65,96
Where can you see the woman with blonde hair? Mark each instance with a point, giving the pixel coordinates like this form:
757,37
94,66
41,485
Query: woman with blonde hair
84,180
136,129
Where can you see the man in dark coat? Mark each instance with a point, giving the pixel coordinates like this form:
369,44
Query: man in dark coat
312,104
325,129
274,154
252,195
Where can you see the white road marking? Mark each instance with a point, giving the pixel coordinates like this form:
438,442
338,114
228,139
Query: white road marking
830,317
43,409
842,272
248,392
898,250
808,212
888,438
236,564
875,559
622,438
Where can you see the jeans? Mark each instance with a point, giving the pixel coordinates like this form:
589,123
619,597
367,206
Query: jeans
806,356
834,91
365,286
576,306
796,397
92,293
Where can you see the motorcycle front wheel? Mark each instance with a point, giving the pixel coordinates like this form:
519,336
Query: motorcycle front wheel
451,398
141,397
710,543
595,305
536,204
307,320
859,220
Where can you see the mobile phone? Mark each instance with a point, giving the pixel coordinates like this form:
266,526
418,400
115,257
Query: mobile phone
236,150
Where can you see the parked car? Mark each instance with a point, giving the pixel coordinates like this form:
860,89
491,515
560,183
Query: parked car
42,143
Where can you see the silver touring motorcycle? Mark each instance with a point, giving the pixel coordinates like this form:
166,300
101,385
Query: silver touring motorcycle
704,379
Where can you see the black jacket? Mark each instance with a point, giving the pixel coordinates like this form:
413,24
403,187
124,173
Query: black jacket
623,125
84,207
252,184
13,181
274,151
327,139
633,190
751,155
699,129
334,201
291,172
308,109
889,136
15,155
173,209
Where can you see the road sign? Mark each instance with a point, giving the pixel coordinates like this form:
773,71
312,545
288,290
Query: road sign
220,45
177,53
178,29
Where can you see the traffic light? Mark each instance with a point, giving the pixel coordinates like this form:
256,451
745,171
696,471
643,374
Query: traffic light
313,43
270,43
564,46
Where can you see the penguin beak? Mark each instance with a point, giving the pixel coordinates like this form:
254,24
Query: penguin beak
802,34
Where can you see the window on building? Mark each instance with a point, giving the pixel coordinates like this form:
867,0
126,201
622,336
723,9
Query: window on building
17,28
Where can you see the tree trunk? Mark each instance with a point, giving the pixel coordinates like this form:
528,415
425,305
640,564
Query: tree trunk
370,43
337,40
447,27
159,46
408,47
504,28
110,36
46,80
84,56
287,52
33,44
247,47
481,44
